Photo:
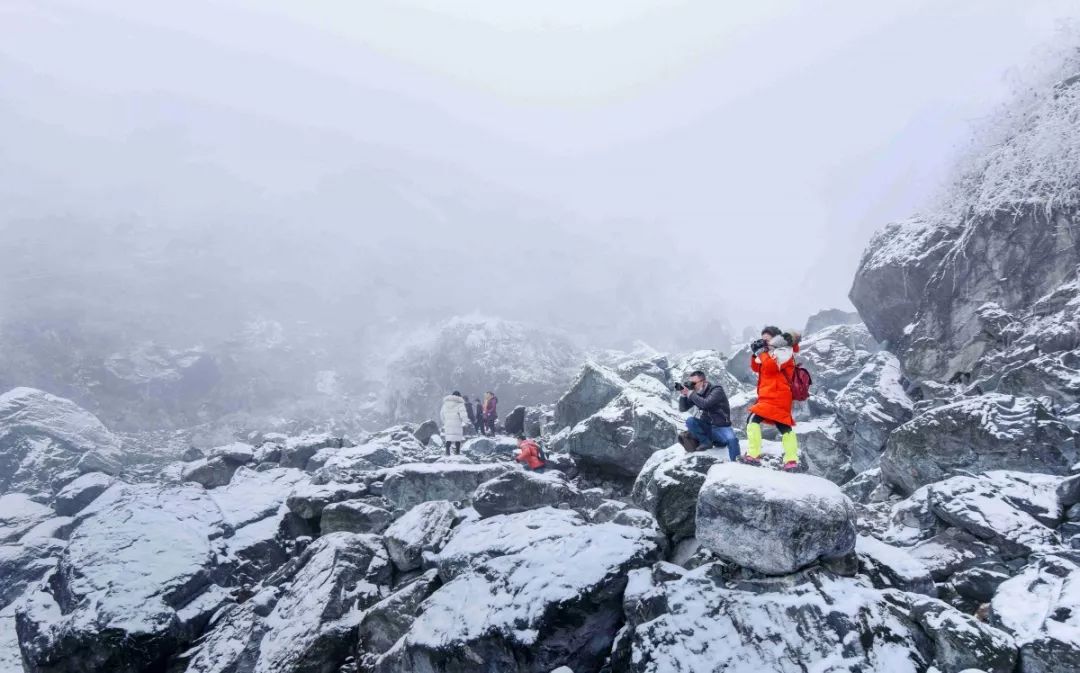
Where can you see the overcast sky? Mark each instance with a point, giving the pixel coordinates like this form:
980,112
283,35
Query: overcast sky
564,161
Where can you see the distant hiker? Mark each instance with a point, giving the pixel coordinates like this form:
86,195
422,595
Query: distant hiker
530,454
472,414
711,423
454,417
490,411
773,359
478,415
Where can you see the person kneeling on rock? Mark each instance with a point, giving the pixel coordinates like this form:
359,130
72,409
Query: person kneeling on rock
530,454
773,359
710,425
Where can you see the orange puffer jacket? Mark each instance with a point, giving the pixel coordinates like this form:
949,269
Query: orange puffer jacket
774,391
529,454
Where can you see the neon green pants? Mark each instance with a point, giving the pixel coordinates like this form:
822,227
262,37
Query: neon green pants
787,440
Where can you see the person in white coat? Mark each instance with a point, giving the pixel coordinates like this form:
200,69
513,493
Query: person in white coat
454,417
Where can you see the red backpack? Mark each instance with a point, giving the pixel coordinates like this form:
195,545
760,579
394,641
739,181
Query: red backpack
799,382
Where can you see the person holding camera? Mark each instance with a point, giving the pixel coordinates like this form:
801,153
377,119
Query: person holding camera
710,425
773,360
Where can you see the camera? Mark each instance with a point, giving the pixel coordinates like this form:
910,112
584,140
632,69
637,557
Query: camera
758,345
685,384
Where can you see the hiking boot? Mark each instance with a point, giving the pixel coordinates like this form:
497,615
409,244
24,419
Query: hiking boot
791,466
688,441
749,460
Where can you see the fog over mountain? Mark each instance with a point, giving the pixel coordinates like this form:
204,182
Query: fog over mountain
644,172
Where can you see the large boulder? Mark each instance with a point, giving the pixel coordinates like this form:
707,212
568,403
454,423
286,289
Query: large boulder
111,604
388,620
773,522
519,490
594,387
825,449
42,435
890,567
354,516
297,451
1040,607
988,432
871,406
23,565
812,621
619,439
209,472
309,500
951,551
668,487
81,492
19,514
525,592
834,355
829,317
424,528
514,424
411,484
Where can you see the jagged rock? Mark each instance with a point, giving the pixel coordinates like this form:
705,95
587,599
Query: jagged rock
491,610
18,514
59,528
619,439
979,583
977,506
81,492
864,487
42,435
912,520
298,450
22,565
606,511
591,391
424,528
960,641
808,518
110,605
192,454
254,495
268,452
951,551
1040,607
824,447
829,317
892,567
1068,492
989,432
834,355
715,367
237,452
668,487
354,516
308,500
388,620
514,424
810,621
411,484
871,406
484,448
426,431
650,386
209,472
892,276
375,453
535,419
632,369
519,490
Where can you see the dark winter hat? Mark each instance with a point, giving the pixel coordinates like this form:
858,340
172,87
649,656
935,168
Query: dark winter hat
771,330
456,393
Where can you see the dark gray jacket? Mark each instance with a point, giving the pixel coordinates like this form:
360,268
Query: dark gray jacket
713,403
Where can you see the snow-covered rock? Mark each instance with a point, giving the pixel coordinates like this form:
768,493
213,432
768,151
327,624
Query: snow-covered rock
667,487
237,452
976,505
23,564
835,355
951,551
527,592
139,555
308,500
619,439
519,490
42,435
411,484
424,528
354,516
829,317
254,495
388,620
297,451
871,406
514,423
824,448
81,492
209,472
773,522
592,390
988,432
892,567
18,514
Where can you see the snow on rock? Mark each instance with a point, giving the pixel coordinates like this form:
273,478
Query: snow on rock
18,514
951,551
1040,607
667,487
892,567
424,528
834,355
976,506
713,364
962,642
23,564
813,621
253,495
297,451
308,500
139,554
592,390
354,516
81,492
824,447
773,522
388,620
526,592
519,490
42,435
209,472
411,484
988,432
237,452
911,520
619,439
871,406
372,454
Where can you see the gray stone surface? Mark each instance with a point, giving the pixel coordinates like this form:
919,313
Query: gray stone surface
519,490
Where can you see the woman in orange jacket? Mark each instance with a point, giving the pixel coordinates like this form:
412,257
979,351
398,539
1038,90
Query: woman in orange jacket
529,454
773,359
